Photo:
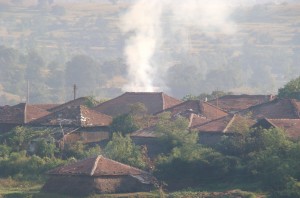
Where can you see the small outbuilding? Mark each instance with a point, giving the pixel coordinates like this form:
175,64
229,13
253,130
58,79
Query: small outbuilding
98,175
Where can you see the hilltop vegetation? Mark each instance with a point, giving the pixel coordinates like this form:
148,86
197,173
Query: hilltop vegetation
42,41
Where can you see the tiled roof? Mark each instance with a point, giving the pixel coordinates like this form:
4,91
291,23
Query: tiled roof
46,106
240,102
153,101
75,116
203,109
98,166
196,112
12,114
290,126
76,102
225,124
196,119
21,113
33,113
276,109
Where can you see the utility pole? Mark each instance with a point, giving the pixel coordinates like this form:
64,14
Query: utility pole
74,90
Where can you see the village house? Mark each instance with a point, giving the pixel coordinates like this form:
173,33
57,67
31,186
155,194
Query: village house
236,103
197,112
66,123
275,109
24,113
98,175
19,115
77,102
76,123
153,101
291,127
211,133
148,139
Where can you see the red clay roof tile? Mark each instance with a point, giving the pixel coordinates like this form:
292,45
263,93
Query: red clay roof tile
97,166
223,125
235,103
276,109
153,101
75,116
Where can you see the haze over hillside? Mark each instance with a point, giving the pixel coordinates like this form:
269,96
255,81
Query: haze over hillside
55,44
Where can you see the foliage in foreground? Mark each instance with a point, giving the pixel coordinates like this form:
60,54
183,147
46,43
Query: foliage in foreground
291,89
122,149
260,155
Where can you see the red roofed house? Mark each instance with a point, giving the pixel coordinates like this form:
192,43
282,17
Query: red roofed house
76,102
153,101
78,123
236,103
211,133
195,111
98,175
19,115
276,109
290,126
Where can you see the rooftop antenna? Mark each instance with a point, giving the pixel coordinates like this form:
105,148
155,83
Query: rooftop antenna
74,90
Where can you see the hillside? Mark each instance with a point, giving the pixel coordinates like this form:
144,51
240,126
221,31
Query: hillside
259,57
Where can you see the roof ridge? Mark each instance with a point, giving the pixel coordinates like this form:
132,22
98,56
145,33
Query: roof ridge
163,100
95,164
124,164
67,103
261,104
213,120
215,106
191,119
230,123
274,125
108,101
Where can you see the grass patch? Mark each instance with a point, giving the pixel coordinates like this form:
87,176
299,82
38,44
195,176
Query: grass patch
14,188
226,194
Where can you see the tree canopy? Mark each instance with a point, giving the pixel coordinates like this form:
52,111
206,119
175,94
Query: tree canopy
291,89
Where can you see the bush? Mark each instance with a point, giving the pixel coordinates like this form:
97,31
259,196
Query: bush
32,167
122,149
124,123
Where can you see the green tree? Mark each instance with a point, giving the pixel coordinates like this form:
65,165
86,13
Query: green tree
271,158
124,124
122,149
45,148
291,89
175,132
91,102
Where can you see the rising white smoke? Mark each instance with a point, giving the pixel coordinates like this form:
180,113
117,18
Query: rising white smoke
144,26
143,23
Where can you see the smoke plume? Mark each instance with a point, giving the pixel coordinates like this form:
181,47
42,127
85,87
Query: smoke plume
149,24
